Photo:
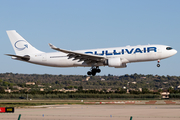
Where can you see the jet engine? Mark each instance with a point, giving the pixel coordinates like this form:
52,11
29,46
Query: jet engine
115,62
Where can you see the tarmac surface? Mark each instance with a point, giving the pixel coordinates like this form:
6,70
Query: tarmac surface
96,112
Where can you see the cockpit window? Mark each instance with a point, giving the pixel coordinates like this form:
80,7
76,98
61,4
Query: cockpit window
169,48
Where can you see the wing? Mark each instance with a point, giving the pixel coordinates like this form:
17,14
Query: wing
87,58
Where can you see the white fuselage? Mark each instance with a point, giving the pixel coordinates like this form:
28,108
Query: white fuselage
127,54
116,57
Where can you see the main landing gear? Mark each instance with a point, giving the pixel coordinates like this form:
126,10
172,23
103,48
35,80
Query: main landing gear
158,65
94,70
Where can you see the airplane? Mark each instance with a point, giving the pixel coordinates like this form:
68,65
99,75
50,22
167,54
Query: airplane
116,57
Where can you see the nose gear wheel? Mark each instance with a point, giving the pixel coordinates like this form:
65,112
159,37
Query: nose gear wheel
158,65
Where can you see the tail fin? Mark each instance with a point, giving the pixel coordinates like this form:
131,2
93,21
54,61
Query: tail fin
20,45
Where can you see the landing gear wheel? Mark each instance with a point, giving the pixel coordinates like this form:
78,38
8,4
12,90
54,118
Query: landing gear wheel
89,73
93,73
98,70
158,65
94,70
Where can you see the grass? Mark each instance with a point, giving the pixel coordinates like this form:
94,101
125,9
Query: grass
25,103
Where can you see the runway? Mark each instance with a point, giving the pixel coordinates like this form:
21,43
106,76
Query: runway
96,112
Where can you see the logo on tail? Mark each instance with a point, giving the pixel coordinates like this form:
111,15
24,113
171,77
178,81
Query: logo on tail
21,45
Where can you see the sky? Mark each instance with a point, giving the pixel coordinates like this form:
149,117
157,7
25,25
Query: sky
91,24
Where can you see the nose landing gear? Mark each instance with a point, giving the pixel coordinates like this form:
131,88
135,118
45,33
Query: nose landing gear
158,65
94,70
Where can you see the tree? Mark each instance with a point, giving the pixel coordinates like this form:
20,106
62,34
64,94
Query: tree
80,88
1,81
57,82
2,89
145,90
5,83
170,89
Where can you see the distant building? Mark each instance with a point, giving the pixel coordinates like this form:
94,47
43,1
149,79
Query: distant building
40,85
15,91
140,89
66,90
71,90
41,89
127,91
109,89
124,87
102,79
30,83
61,90
165,95
155,91
156,76
87,78
17,87
8,90
133,82
165,82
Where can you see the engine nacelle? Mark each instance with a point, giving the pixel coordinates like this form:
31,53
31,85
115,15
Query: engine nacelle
115,62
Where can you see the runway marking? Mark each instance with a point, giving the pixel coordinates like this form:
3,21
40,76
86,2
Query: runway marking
58,107
148,102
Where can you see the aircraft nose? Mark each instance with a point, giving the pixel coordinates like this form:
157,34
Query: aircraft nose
174,52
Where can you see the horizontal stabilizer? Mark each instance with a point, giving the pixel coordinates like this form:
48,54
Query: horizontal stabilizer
26,57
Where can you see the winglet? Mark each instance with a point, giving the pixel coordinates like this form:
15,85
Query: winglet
52,46
58,49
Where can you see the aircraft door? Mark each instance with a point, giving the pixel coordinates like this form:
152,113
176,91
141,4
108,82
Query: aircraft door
44,57
159,50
